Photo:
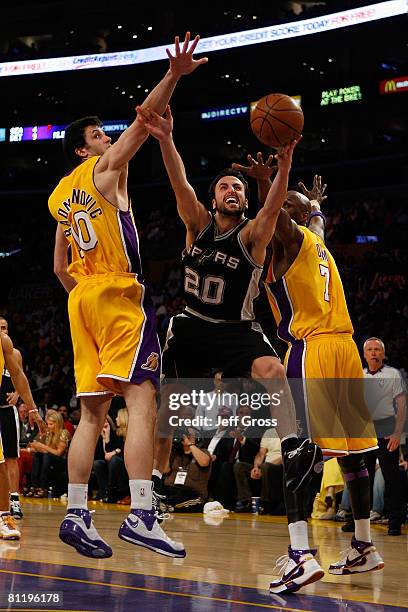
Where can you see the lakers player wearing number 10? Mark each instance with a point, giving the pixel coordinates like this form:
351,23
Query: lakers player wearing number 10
111,317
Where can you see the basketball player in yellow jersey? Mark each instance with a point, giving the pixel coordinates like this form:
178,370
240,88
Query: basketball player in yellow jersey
8,360
113,322
307,299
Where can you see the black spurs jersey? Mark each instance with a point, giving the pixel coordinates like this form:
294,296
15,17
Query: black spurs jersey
221,280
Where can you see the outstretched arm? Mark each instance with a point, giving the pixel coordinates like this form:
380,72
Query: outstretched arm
61,260
316,197
193,214
262,228
181,63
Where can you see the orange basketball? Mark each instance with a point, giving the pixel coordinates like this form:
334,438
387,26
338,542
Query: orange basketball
276,120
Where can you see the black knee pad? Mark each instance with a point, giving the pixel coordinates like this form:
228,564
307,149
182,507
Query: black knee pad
358,484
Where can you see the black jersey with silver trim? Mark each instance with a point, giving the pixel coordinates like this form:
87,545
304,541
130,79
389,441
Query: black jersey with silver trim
6,387
221,280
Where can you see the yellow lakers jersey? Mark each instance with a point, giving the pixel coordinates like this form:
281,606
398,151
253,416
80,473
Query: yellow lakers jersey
102,238
309,299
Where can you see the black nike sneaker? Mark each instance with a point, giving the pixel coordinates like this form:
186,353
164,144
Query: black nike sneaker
301,464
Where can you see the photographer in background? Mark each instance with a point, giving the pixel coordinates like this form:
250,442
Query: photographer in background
185,486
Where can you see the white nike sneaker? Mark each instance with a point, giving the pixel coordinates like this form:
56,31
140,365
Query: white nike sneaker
8,528
141,528
360,557
77,530
296,569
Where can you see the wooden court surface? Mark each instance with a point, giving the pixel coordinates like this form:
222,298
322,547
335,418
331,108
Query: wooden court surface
228,566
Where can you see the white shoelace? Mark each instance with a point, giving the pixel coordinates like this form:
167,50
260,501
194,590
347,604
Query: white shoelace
280,565
344,555
163,516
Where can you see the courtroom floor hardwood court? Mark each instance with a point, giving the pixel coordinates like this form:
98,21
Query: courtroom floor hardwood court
227,568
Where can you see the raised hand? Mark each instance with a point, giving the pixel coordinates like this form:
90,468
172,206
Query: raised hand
258,169
182,61
284,155
316,192
159,127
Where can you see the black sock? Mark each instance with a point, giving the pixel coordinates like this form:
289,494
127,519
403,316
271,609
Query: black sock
14,497
157,484
295,505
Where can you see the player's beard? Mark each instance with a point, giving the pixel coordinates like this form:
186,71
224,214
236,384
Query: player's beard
237,212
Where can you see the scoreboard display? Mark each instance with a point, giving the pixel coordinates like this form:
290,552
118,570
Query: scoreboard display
52,132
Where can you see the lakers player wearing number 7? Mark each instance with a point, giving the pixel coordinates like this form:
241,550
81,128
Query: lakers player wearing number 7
308,303
113,323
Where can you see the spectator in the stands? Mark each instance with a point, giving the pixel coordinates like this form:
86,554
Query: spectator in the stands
49,461
219,445
268,468
186,486
110,472
63,410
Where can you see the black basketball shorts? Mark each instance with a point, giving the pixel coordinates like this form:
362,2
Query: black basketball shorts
196,348
10,431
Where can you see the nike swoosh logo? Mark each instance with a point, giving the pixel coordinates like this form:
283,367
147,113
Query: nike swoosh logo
133,523
296,572
356,561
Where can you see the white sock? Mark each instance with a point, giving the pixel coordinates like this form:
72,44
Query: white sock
140,494
298,535
78,496
157,473
362,530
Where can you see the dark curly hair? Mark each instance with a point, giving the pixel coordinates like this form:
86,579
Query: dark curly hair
228,172
75,138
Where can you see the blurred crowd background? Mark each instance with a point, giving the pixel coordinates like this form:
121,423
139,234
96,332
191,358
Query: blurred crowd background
359,147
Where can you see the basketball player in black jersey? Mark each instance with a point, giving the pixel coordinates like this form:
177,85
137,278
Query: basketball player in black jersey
10,364
223,263
9,426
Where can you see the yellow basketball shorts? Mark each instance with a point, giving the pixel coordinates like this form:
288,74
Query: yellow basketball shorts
328,386
113,329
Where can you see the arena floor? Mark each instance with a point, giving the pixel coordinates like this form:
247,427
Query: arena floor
227,568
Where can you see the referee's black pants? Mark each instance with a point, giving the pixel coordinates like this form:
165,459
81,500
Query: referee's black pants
394,497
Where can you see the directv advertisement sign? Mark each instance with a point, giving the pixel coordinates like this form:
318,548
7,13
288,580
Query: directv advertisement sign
225,112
